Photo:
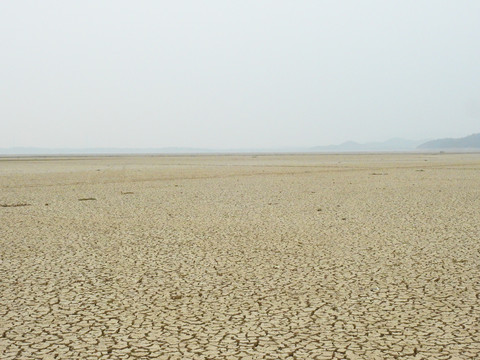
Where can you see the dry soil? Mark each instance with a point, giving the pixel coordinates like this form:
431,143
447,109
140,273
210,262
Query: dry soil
240,257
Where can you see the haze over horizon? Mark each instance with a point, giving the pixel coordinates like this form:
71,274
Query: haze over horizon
236,75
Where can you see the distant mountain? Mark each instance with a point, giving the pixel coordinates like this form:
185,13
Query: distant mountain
395,144
467,142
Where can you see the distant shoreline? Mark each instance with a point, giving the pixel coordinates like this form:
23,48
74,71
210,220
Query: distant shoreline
208,154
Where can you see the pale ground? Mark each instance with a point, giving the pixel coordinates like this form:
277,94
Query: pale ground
241,257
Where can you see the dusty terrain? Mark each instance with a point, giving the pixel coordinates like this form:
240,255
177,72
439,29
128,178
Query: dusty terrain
240,257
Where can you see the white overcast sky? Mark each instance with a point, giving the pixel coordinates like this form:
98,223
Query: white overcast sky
230,74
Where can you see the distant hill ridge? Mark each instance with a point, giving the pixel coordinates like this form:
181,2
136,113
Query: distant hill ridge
467,142
394,144
471,142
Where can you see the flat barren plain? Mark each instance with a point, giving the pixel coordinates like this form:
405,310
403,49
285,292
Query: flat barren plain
240,257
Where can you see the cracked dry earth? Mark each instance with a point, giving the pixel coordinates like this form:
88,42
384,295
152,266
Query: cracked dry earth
240,257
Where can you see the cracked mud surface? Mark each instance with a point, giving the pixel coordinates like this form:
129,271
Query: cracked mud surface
241,257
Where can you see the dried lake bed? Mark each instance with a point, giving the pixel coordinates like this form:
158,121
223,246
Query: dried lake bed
373,256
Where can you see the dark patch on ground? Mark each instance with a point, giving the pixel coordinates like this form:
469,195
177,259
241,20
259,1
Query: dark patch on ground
14,205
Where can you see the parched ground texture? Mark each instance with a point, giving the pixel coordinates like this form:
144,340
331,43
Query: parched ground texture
240,257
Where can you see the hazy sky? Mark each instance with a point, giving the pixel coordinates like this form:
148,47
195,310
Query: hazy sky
231,74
